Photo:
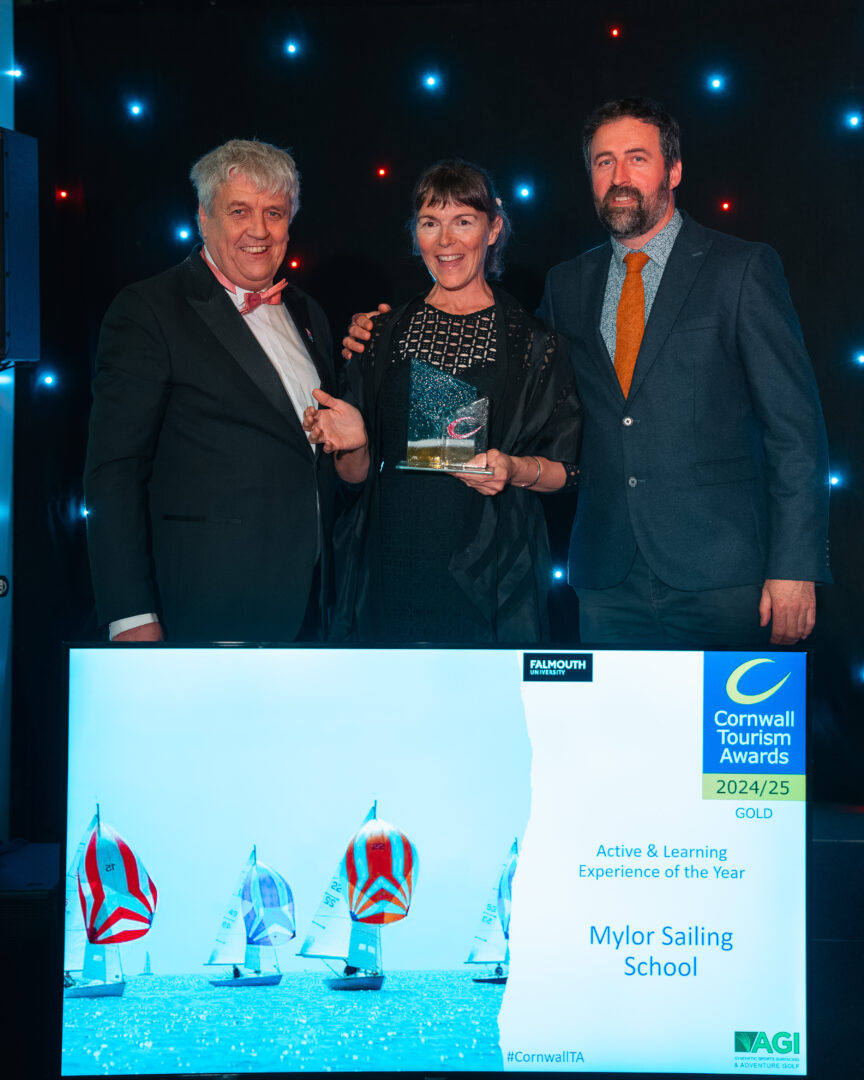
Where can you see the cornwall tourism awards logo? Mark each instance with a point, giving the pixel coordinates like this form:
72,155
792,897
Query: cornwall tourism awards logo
754,726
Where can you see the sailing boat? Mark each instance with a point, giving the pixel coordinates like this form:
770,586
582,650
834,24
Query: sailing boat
372,886
491,943
263,898
110,899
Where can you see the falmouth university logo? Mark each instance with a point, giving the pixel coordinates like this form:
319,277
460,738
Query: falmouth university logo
557,667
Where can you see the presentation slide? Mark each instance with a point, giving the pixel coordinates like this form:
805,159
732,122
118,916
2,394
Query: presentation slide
439,860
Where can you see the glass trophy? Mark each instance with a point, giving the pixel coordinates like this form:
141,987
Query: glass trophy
447,424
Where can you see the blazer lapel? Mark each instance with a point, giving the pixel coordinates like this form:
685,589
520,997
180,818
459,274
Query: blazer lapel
592,313
208,299
685,261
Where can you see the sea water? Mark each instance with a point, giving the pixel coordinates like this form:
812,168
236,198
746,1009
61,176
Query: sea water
419,1020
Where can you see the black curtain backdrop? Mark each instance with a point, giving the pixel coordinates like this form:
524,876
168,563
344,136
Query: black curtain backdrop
517,80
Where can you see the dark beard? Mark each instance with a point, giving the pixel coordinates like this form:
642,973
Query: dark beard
628,221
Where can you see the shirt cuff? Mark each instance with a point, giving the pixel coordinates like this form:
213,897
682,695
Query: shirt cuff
119,625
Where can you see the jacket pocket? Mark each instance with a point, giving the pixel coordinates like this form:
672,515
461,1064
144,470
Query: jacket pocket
726,471
202,519
707,322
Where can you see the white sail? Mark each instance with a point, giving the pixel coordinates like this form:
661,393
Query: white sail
330,932
229,946
258,919
364,947
75,937
110,898
102,963
489,945
372,886
263,958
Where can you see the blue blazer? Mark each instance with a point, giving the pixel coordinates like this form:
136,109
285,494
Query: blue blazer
716,465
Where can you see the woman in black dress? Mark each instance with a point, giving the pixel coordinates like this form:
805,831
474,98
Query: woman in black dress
460,558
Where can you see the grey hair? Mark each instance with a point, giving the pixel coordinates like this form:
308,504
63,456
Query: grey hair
269,168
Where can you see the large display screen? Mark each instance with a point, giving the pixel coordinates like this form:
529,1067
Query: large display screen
436,860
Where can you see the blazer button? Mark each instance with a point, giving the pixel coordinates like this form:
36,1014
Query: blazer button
632,481
627,421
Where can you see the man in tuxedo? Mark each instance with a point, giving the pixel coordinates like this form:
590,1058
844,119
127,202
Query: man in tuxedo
702,512
208,509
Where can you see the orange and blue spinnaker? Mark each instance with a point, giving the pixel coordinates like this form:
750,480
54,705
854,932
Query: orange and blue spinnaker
380,867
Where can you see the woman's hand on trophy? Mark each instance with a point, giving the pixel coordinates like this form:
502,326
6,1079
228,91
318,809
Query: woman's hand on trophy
538,473
503,470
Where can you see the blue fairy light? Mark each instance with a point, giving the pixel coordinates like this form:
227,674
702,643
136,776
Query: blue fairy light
716,83
431,81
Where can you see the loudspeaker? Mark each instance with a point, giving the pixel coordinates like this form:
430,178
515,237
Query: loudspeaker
19,242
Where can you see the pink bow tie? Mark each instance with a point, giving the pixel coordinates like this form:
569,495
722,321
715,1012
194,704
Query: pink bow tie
273,295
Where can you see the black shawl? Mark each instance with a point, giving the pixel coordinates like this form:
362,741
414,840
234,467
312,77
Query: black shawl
503,564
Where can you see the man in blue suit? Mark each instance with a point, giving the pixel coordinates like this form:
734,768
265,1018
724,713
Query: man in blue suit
702,512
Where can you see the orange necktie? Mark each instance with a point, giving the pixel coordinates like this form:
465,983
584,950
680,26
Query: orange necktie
631,319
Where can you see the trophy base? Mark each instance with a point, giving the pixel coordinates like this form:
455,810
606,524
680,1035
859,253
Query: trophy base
453,470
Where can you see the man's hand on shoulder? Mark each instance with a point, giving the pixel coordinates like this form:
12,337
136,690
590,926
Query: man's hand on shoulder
790,607
360,331
151,631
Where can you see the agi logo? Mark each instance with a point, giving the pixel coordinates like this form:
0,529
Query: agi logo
751,699
781,1042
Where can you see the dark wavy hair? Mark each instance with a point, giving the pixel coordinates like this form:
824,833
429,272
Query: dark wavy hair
455,181
639,108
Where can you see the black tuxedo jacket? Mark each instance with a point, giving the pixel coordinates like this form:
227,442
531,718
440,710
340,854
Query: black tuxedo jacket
202,490
716,465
